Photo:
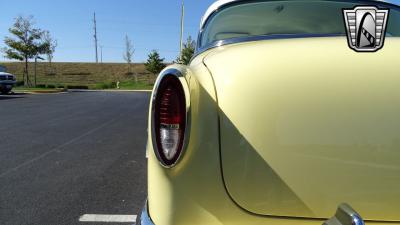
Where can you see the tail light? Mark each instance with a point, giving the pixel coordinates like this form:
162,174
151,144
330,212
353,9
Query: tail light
169,120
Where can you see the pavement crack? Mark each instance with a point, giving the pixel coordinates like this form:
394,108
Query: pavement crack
58,148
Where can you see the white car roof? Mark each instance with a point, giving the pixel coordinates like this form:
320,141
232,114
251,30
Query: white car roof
4,73
220,3
216,5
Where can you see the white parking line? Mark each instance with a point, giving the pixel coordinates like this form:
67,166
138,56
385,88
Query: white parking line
108,218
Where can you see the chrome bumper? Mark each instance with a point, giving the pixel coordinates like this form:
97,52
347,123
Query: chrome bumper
144,218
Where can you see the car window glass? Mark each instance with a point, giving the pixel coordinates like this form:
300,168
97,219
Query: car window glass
283,17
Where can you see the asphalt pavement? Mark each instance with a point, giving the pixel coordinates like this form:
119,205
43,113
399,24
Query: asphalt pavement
63,156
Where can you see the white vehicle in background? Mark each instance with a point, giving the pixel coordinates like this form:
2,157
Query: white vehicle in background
7,82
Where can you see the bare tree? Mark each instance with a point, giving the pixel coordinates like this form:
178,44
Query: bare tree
51,46
129,50
128,54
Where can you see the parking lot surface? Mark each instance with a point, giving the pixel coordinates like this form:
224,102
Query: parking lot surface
63,156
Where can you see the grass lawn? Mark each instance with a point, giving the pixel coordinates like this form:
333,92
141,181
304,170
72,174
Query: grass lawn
34,89
125,85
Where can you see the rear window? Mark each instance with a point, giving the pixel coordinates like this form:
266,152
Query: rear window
284,18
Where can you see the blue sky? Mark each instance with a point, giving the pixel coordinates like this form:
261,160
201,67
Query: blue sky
151,24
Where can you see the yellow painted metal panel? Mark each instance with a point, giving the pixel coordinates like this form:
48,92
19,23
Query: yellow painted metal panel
307,124
193,192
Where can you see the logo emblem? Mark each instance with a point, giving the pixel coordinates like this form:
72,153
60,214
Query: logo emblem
366,28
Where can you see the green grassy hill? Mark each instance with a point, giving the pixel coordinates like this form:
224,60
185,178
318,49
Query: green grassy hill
88,74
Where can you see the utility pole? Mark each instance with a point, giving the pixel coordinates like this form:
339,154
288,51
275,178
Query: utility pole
95,36
182,23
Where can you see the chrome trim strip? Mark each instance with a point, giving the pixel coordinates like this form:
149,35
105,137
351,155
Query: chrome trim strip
144,218
179,75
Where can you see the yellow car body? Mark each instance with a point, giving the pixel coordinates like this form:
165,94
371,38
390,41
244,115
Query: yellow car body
282,131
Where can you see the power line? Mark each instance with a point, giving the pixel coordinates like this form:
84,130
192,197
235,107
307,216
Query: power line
140,49
144,24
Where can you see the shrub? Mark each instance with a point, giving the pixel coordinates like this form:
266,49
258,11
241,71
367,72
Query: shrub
104,86
60,86
107,85
51,86
40,86
19,83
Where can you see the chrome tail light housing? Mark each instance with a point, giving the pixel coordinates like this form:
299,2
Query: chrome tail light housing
170,117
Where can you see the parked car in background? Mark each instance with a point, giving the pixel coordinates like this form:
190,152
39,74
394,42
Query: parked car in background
7,82
276,121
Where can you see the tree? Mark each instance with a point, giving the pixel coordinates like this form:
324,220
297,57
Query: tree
129,50
128,54
187,51
26,44
154,63
51,45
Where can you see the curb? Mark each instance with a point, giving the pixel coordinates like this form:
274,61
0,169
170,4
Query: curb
63,91
41,91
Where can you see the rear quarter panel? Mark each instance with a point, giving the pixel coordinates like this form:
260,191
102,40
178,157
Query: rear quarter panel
193,191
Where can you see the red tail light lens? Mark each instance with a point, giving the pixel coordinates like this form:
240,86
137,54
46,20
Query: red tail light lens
169,120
